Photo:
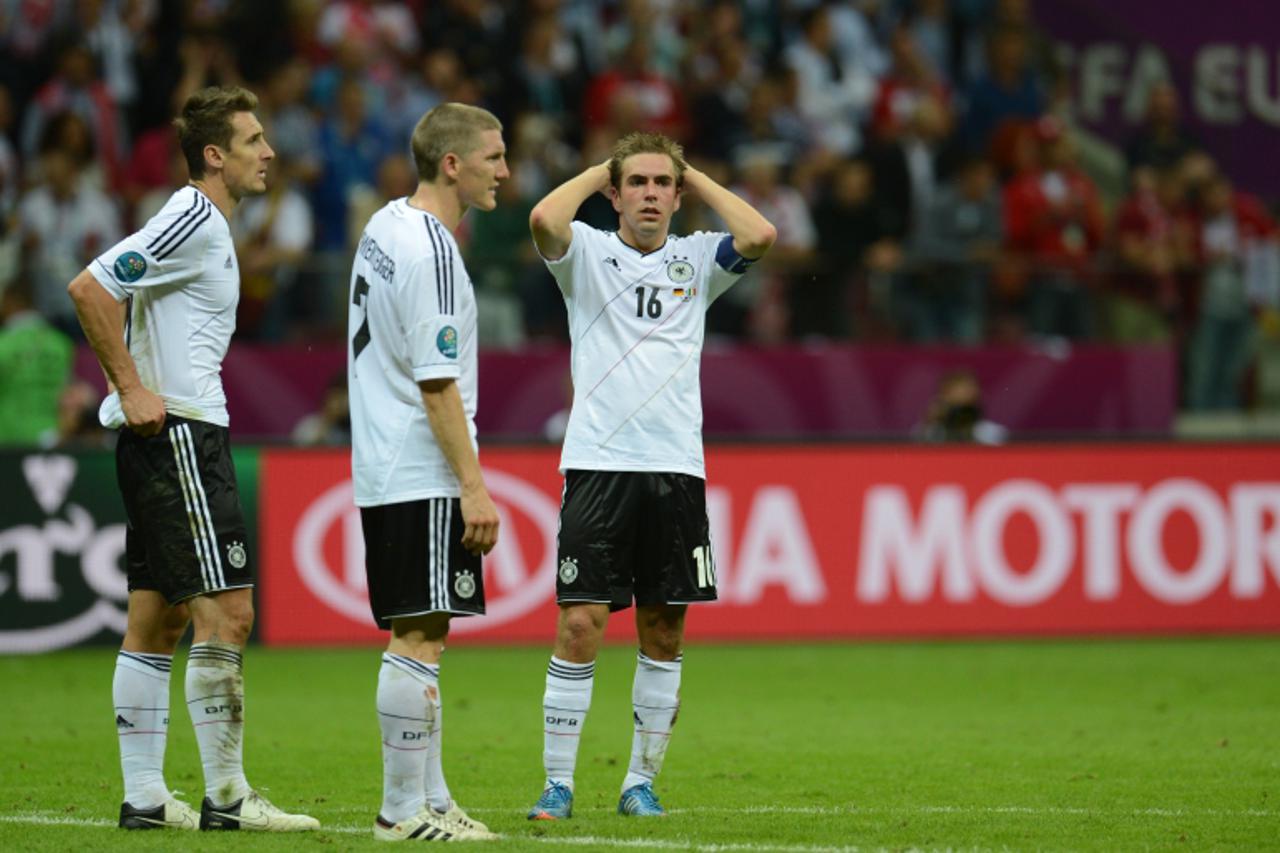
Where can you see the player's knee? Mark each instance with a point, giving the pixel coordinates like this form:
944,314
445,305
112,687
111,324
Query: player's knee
581,628
661,645
170,634
235,621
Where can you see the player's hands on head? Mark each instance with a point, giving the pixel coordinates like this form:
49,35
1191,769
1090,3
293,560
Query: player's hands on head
143,411
481,519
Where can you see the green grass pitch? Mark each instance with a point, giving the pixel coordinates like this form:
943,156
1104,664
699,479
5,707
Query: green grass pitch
1033,745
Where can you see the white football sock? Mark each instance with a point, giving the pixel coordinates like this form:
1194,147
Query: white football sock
564,711
655,698
435,788
215,700
404,714
140,691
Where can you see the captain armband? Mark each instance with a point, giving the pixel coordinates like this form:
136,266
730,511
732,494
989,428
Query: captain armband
728,258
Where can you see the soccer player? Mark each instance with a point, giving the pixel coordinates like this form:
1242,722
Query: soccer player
633,521
426,514
159,309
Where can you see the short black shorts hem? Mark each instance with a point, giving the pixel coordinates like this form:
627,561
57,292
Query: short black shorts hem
188,596
384,622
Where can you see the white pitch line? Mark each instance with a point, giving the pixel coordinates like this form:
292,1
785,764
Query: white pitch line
566,840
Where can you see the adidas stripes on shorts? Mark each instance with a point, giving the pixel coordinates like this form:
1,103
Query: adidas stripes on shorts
186,533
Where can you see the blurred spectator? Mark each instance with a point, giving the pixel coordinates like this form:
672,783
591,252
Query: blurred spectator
110,30
764,295
35,360
432,79
1008,89
499,256
932,29
386,26
910,81
395,179
996,15
10,183
833,95
10,176
547,75
294,131
772,117
78,425
76,88
330,425
474,29
1163,140
67,131
63,224
350,61
352,145
151,167
955,414
1054,223
853,30
1098,158
150,202
1150,249
853,236
1226,334
26,29
910,163
953,254
632,94
272,233
656,22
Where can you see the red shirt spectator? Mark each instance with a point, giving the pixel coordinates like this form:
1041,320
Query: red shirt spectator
1053,214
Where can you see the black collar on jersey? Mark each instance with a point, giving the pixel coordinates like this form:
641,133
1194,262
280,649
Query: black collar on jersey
640,252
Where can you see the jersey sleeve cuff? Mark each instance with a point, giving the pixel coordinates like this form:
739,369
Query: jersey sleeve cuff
437,371
108,281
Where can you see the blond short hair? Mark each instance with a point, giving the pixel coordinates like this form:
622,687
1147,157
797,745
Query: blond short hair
206,120
448,129
642,142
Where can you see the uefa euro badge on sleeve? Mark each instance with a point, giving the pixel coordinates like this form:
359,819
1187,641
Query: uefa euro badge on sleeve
447,342
130,267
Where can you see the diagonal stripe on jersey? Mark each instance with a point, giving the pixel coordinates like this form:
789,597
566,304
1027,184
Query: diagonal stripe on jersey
632,349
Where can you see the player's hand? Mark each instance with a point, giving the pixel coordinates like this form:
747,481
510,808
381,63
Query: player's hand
481,519
143,411
602,172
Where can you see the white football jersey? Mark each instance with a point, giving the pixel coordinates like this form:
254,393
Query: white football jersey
412,316
180,277
636,322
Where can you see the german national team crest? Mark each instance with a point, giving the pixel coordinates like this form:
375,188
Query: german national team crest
464,584
447,342
236,555
680,271
568,570
130,267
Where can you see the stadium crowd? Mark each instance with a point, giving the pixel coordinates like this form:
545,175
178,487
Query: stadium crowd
918,157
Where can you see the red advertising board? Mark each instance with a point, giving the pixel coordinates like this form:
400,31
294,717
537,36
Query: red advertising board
834,541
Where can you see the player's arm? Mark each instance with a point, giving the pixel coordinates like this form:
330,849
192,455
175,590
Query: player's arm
752,233
550,218
102,319
449,426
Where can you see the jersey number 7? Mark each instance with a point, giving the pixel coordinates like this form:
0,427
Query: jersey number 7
361,339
